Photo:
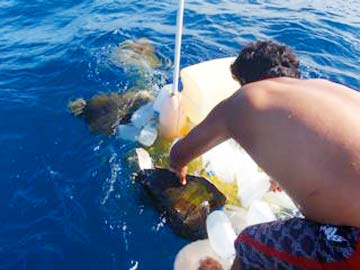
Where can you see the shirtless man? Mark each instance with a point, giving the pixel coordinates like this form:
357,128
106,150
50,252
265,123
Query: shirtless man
306,135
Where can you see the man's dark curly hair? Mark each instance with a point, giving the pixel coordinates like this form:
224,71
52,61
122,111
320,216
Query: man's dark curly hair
263,60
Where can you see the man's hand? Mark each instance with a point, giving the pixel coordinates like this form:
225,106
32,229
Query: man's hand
175,166
210,264
181,173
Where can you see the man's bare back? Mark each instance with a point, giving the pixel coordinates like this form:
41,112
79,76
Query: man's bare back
303,133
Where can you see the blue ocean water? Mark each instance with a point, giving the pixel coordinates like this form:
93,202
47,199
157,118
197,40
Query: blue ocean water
67,200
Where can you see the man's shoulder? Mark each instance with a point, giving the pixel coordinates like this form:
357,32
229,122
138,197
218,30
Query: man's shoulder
286,84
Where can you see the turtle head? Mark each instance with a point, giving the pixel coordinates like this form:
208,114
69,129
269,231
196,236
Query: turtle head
77,106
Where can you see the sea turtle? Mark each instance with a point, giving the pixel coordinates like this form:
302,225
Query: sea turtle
140,53
104,112
185,207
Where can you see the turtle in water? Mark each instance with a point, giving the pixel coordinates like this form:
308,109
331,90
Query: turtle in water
104,112
185,207
140,53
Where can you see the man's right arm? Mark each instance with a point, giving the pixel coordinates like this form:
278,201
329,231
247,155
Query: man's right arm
209,133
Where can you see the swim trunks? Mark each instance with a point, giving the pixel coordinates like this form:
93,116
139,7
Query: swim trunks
298,244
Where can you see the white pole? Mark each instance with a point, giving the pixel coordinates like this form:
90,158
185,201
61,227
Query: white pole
179,28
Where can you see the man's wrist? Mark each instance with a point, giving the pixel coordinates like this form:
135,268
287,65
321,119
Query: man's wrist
176,156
